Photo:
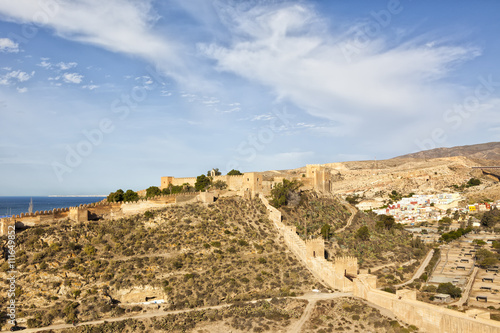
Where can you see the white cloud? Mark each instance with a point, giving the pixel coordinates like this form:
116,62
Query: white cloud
286,47
72,78
126,30
22,90
90,86
65,66
8,46
211,101
230,110
45,64
61,66
15,76
145,80
265,117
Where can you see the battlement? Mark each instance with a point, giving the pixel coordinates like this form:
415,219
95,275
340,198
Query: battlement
315,247
79,214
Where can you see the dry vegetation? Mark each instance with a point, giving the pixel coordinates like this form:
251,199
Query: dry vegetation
384,246
262,316
314,212
351,315
191,256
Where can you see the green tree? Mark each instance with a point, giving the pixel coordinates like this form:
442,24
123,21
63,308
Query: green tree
485,258
202,183
116,196
152,191
219,184
479,242
473,182
130,196
325,231
234,173
445,220
363,233
216,170
281,192
491,218
450,289
386,222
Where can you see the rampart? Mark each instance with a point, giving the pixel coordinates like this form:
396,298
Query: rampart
101,210
311,253
251,182
342,274
428,317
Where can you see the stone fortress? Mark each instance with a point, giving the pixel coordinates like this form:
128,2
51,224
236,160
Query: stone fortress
337,273
316,177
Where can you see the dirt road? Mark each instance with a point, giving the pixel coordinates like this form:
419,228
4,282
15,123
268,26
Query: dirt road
312,297
419,271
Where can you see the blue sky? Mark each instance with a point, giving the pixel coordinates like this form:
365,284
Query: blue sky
100,95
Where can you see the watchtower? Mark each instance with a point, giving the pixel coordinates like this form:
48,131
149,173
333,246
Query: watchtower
315,248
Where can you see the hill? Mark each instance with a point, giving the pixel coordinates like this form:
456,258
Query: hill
483,151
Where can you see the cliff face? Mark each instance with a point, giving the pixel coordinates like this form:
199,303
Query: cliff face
484,151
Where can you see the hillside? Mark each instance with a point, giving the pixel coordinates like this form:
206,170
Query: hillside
483,151
190,256
210,258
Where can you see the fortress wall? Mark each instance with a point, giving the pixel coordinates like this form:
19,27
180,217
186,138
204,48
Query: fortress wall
4,225
33,219
131,208
165,181
234,183
429,317
311,253
186,198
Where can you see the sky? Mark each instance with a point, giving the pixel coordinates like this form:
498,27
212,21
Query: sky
101,95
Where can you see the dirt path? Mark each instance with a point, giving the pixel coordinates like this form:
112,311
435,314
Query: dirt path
297,326
419,271
312,297
109,320
351,209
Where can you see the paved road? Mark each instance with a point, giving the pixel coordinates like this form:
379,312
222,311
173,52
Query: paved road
312,297
419,271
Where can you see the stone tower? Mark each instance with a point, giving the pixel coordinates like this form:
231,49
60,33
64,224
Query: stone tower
315,248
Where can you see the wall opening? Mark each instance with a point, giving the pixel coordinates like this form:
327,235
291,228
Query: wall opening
314,254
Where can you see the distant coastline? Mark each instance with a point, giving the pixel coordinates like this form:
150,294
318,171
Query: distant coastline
77,196
15,205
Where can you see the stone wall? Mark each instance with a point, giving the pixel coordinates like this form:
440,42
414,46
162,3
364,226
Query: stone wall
78,214
101,210
427,317
311,253
32,219
251,182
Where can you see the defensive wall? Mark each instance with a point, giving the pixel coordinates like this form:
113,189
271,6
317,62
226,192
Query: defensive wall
251,182
101,210
342,274
428,317
335,275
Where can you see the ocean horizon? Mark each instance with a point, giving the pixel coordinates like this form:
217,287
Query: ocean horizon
15,205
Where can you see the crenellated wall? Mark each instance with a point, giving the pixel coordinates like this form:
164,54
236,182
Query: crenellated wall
427,317
311,253
102,210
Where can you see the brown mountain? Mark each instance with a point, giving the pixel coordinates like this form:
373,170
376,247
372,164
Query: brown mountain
483,151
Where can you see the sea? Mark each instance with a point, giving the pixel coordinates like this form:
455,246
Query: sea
16,205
